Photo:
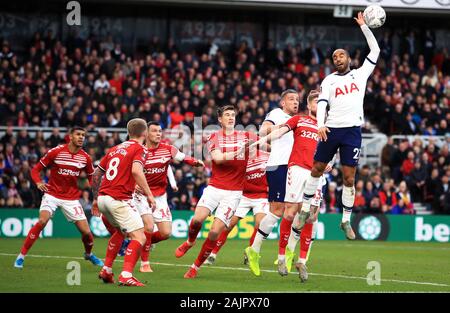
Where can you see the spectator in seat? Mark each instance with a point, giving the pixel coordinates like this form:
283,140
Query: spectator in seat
408,164
405,197
417,179
369,192
442,191
374,206
388,197
14,199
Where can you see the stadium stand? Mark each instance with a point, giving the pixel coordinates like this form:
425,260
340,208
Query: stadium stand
95,84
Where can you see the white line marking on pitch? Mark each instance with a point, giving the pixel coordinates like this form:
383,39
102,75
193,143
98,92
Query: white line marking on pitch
245,269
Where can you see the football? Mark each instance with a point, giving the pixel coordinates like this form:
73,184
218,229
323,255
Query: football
374,16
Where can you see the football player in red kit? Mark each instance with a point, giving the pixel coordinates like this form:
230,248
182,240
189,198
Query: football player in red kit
229,153
159,156
65,162
114,182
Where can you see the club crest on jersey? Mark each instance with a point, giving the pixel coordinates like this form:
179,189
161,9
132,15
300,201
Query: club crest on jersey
347,90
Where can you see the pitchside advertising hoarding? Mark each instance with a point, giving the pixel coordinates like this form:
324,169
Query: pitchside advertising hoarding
426,228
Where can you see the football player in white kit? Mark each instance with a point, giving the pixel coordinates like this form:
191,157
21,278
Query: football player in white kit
276,168
342,92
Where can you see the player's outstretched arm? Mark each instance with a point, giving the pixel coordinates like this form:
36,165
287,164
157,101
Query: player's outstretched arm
182,157
371,40
275,134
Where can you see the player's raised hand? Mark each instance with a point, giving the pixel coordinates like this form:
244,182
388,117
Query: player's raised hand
328,168
151,202
94,210
42,186
322,132
360,19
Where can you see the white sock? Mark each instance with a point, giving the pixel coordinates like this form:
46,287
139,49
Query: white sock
126,274
348,199
293,240
145,263
308,193
302,261
213,255
346,214
21,256
282,257
107,269
194,267
267,224
294,237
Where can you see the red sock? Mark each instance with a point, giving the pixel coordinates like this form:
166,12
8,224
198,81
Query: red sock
252,238
194,229
146,247
114,245
221,241
111,229
157,237
131,256
32,236
285,231
207,247
88,241
305,240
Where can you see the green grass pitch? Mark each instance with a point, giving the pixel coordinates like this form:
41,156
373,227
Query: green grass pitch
333,266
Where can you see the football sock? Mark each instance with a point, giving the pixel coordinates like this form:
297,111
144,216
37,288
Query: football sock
294,236
157,237
146,247
207,247
114,244
32,236
305,241
348,199
310,189
265,228
131,256
194,229
221,241
88,242
285,231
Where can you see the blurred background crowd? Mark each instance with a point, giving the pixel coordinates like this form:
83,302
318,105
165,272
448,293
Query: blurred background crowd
94,84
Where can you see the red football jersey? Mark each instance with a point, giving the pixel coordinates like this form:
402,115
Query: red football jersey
231,174
118,182
65,169
255,186
156,164
305,140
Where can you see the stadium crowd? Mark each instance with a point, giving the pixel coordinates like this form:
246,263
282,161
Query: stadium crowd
94,84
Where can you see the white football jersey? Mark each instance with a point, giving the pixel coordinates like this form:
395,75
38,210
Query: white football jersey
280,149
344,95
